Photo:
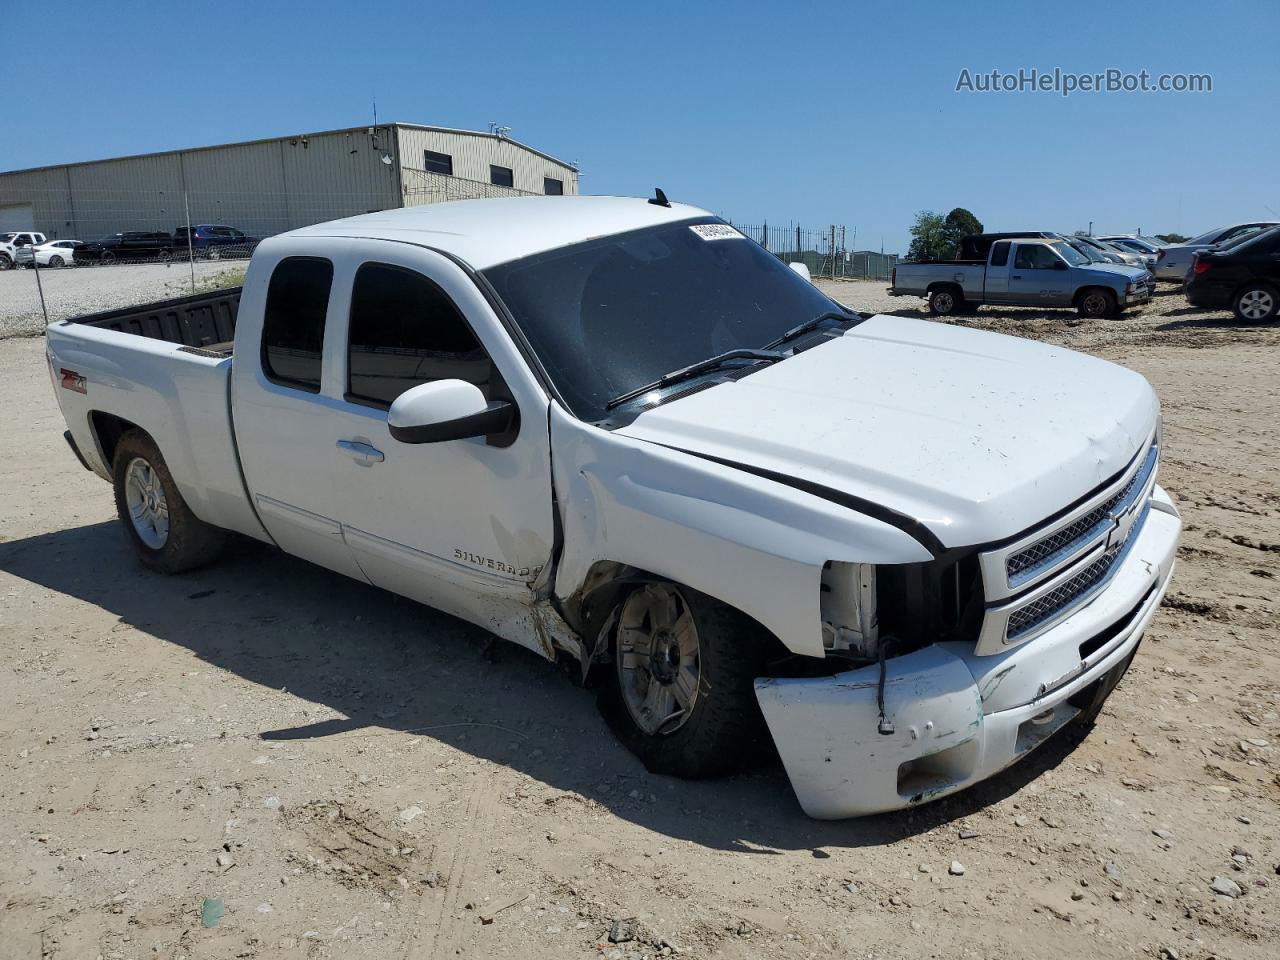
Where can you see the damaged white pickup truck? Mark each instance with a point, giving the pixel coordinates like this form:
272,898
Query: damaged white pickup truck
620,433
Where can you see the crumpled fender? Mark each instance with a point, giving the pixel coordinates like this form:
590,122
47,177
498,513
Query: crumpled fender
748,541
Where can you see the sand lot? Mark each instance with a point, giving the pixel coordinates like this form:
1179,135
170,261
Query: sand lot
346,774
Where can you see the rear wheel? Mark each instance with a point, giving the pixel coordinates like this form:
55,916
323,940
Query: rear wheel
1097,302
56,261
213,254
945,301
108,257
167,536
1256,303
680,692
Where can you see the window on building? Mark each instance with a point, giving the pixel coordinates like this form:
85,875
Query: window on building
405,331
552,187
293,325
437,162
501,176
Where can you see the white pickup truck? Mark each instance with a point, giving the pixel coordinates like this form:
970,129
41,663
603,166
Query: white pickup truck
621,433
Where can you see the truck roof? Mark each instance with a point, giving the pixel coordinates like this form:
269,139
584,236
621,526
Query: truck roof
488,232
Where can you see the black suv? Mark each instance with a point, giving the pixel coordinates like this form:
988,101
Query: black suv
135,245
1243,276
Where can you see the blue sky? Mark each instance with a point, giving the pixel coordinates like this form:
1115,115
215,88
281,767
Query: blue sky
816,113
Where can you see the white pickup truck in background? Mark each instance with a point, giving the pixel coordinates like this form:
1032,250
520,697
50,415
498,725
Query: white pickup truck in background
620,432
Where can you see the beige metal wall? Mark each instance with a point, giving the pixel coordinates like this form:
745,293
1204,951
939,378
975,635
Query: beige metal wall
270,186
472,154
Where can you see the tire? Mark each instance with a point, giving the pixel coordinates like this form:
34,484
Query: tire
107,258
1096,302
1256,303
167,536
5,262
945,301
213,254
56,261
720,731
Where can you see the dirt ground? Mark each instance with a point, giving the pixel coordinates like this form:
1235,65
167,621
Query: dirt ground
263,759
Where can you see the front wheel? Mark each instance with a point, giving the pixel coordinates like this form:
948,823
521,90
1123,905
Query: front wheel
213,254
5,261
167,536
680,692
108,258
1097,303
1256,303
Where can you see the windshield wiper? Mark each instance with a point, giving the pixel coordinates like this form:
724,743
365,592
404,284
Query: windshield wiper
803,328
693,369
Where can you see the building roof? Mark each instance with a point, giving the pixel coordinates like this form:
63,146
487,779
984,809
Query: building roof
298,136
487,232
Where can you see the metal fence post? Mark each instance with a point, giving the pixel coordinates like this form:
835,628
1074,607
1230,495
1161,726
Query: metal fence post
191,257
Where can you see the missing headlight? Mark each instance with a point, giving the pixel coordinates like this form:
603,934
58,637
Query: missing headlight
850,625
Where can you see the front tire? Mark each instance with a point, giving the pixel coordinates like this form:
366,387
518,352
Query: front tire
166,535
1097,302
5,262
1256,303
680,692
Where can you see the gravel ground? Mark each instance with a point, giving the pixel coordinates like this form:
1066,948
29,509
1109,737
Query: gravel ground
73,291
263,759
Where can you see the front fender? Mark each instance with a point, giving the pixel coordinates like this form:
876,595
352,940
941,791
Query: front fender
750,542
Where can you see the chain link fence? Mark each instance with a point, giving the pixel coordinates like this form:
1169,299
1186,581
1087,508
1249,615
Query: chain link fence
108,249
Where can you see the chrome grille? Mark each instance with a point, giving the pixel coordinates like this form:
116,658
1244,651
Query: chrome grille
1021,566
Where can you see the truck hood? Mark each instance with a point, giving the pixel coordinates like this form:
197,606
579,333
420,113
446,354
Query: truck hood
1126,270
976,435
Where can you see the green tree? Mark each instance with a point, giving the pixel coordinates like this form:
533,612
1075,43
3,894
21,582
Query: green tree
960,223
928,237
1172,237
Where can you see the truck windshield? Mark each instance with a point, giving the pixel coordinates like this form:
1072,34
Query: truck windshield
609,315
1070,254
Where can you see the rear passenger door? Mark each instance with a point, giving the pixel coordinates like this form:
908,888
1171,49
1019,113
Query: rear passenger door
283,420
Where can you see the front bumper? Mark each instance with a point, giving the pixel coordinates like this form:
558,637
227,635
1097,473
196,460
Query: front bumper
1141,295
959,718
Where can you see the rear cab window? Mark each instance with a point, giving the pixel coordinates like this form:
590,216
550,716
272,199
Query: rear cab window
294,320
1000,253
405,331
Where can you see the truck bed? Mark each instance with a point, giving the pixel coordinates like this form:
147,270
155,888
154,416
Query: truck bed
204,322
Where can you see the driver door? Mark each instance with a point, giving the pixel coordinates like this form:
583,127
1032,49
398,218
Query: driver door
464,525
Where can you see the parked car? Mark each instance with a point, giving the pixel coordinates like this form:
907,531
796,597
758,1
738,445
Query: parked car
1174,261
908,551
134,245
1119,254
214,241
1033,271
55,253
1144,246
11,243
1243,276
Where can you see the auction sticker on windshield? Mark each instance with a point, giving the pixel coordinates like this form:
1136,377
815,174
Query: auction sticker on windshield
716,231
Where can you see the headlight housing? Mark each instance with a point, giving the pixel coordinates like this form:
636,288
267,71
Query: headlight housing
850,625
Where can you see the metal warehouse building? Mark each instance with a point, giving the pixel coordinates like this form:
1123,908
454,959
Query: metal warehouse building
268,186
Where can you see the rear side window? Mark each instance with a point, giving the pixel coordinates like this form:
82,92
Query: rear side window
1000,254
293,328
405,331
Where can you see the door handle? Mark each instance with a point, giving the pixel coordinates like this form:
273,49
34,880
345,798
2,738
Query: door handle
363,453
1016,276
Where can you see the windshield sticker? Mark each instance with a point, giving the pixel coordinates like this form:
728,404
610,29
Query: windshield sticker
716,231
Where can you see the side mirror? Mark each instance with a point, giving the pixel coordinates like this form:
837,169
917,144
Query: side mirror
801,269
449,410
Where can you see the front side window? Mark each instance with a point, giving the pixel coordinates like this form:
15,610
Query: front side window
293,325
501,176
1034,256
405,331
437,162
